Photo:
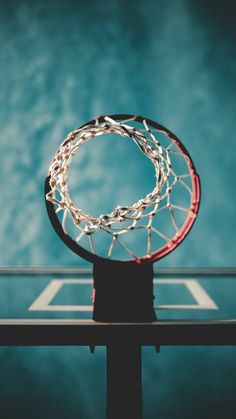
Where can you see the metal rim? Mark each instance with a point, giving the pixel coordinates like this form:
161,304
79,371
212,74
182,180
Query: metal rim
164,250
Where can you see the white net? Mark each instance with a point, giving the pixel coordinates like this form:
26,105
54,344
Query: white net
141,214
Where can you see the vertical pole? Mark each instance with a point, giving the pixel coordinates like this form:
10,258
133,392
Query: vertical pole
124,382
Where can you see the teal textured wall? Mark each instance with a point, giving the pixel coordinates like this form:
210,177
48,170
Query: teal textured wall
62,63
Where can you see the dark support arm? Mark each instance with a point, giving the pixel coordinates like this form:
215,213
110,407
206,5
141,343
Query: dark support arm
124,382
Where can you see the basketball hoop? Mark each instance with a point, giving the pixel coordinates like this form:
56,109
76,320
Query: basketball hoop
163,149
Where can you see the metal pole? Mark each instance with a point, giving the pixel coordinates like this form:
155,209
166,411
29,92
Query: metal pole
124,382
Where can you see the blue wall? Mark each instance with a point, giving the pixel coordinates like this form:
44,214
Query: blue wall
62,63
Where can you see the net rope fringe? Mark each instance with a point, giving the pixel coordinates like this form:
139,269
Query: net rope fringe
145,209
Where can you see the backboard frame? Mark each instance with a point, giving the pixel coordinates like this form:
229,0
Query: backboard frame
53,332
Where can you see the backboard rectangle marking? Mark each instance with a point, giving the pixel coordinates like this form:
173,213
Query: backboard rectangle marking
44,301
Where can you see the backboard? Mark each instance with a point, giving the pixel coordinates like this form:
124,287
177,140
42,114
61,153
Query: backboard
53,306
